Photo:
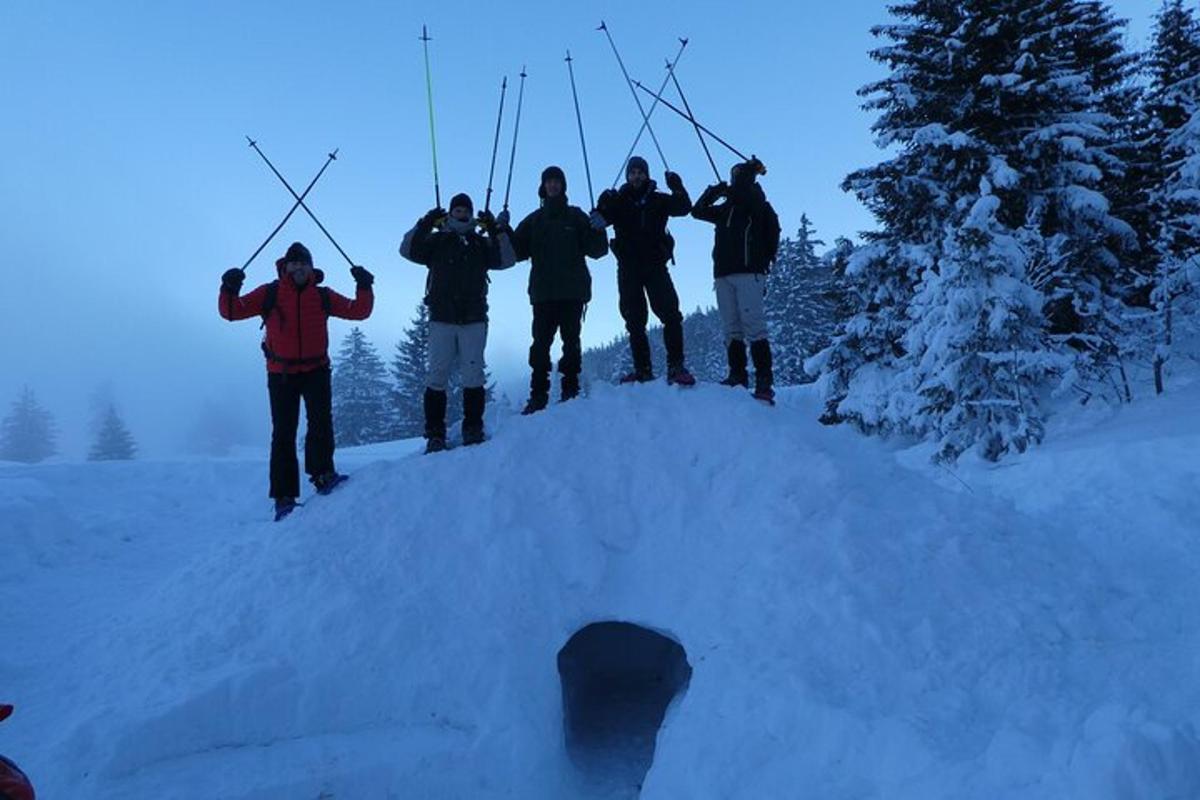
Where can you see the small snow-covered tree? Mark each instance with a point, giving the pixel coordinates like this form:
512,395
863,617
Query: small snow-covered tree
113,440
799,313
27,433
409,368
362,406
1171,151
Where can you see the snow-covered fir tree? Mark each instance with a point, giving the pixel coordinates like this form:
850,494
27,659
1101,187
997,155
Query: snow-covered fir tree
27,432
362,405
1173,144
408,368
113,440
798,304
997,108
912,194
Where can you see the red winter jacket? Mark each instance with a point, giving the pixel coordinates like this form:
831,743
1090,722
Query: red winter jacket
297,336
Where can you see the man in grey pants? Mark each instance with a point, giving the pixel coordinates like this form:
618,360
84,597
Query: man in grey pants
458,257
746,241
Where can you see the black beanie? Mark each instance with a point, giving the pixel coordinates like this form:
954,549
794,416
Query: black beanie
551,172
462,199
637,162
298,252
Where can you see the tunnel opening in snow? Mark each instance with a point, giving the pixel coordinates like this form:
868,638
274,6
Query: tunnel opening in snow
618,680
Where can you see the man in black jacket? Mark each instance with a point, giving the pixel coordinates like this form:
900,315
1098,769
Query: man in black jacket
557,238
745,244
642,245
458,258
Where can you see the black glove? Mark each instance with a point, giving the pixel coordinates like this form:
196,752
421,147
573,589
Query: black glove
674,182
607,198
232,280
488,220
362,278
433,216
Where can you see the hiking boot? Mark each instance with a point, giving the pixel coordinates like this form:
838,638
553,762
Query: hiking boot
569,388
680,375
638,376
472,434
327,482
735,352
284,506
435,444
537,402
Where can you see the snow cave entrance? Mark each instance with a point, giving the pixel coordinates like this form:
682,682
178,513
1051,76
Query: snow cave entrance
618,680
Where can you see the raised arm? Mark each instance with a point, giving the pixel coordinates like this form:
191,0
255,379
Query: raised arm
678,204
364,297
705,209
233,307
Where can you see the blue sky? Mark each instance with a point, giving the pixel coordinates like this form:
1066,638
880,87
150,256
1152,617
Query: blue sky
128,186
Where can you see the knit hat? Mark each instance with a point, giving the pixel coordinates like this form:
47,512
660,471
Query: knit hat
547,174
462,199
637,162
297,252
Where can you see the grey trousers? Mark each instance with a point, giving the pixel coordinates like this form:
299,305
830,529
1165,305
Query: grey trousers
450,342
740,304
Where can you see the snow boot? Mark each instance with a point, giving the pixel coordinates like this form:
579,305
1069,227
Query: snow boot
537,402
735,352
327,482
764,377
474,400
284,506
678,375
568,388
435,421
638,375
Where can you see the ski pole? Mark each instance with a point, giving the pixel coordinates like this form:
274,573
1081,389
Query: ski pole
512,157
437,190
332,157
692,120
299,200
692,117
650,113
579,119
487,202
629,83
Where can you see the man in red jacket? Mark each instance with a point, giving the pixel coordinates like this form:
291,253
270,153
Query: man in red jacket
295,310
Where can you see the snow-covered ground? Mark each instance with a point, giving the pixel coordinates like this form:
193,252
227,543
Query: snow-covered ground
858,624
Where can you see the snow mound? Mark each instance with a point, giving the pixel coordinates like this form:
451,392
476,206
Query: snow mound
811,615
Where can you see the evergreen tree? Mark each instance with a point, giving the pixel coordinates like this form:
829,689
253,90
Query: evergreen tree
27,433
913,195
409,366
113,441
799,313
997,108
1171,177
362,407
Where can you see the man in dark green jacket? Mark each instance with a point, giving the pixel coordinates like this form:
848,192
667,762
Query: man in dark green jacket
557,238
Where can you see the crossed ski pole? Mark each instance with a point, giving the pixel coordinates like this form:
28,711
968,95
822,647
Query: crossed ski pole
629,83
699,127
646,119
299,201
329,160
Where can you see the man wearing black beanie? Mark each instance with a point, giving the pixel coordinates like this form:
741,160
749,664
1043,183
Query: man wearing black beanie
557,238
642,245
458,258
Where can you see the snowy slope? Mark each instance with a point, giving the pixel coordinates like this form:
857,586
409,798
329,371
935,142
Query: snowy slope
858,624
